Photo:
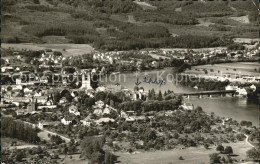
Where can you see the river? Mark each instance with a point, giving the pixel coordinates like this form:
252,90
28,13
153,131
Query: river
233,107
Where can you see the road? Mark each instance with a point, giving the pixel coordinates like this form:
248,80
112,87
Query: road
45,133
247,137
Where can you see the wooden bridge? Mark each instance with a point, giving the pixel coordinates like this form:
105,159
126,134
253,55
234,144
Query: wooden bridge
208,93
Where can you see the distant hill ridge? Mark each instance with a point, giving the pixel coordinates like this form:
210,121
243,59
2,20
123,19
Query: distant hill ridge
125,25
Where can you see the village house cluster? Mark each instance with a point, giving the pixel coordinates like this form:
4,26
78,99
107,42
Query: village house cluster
33,94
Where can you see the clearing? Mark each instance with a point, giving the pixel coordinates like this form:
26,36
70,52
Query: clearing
65,49
199,154
146,6
237,68
242,19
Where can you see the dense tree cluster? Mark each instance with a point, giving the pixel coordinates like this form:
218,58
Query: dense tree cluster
236,46
92,149
171,18
253,153
150,132
146,106
19,130
246,123
112,99
79,29
205,84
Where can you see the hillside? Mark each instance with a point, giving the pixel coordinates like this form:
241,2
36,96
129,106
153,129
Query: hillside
124,25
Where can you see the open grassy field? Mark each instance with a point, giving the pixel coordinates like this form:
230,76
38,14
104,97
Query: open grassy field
241,19
72,159
239,68
6,142
191,155
146,6
66,49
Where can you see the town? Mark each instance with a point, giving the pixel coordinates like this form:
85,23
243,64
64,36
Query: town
60,103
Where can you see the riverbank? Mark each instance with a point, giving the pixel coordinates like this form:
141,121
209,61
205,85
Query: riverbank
233,107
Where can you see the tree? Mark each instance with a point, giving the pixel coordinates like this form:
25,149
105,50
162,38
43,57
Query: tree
89,102
36,1
97,157
181,158
220,148
92,148
56,97
206,146
110,158
240,137
68,97
214,158
223,160
136,88
253,154
19,156
228,150
160,98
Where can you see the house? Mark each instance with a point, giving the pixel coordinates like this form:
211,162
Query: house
104,120
114,88
63,100
66,120
107,110
7,69
42,125
99,104
241,92
155,64
130,119
17,87
32,106
38,93
253,87
101,89
98,111
49,101
41,99
140,118
87,121
20,112
74,110
228,87
187,106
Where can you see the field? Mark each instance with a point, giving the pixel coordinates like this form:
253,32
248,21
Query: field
244,68
242,19
200,155
145,5
8,143
66,49
74,160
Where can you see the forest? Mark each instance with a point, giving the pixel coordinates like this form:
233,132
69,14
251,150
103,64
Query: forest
19,130
92,22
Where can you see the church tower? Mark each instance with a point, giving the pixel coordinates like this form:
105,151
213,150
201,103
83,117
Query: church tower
86,80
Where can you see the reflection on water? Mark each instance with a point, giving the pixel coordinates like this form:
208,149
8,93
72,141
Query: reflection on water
234,107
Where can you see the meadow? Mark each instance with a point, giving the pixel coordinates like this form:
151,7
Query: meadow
237,68
198,154
66,49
